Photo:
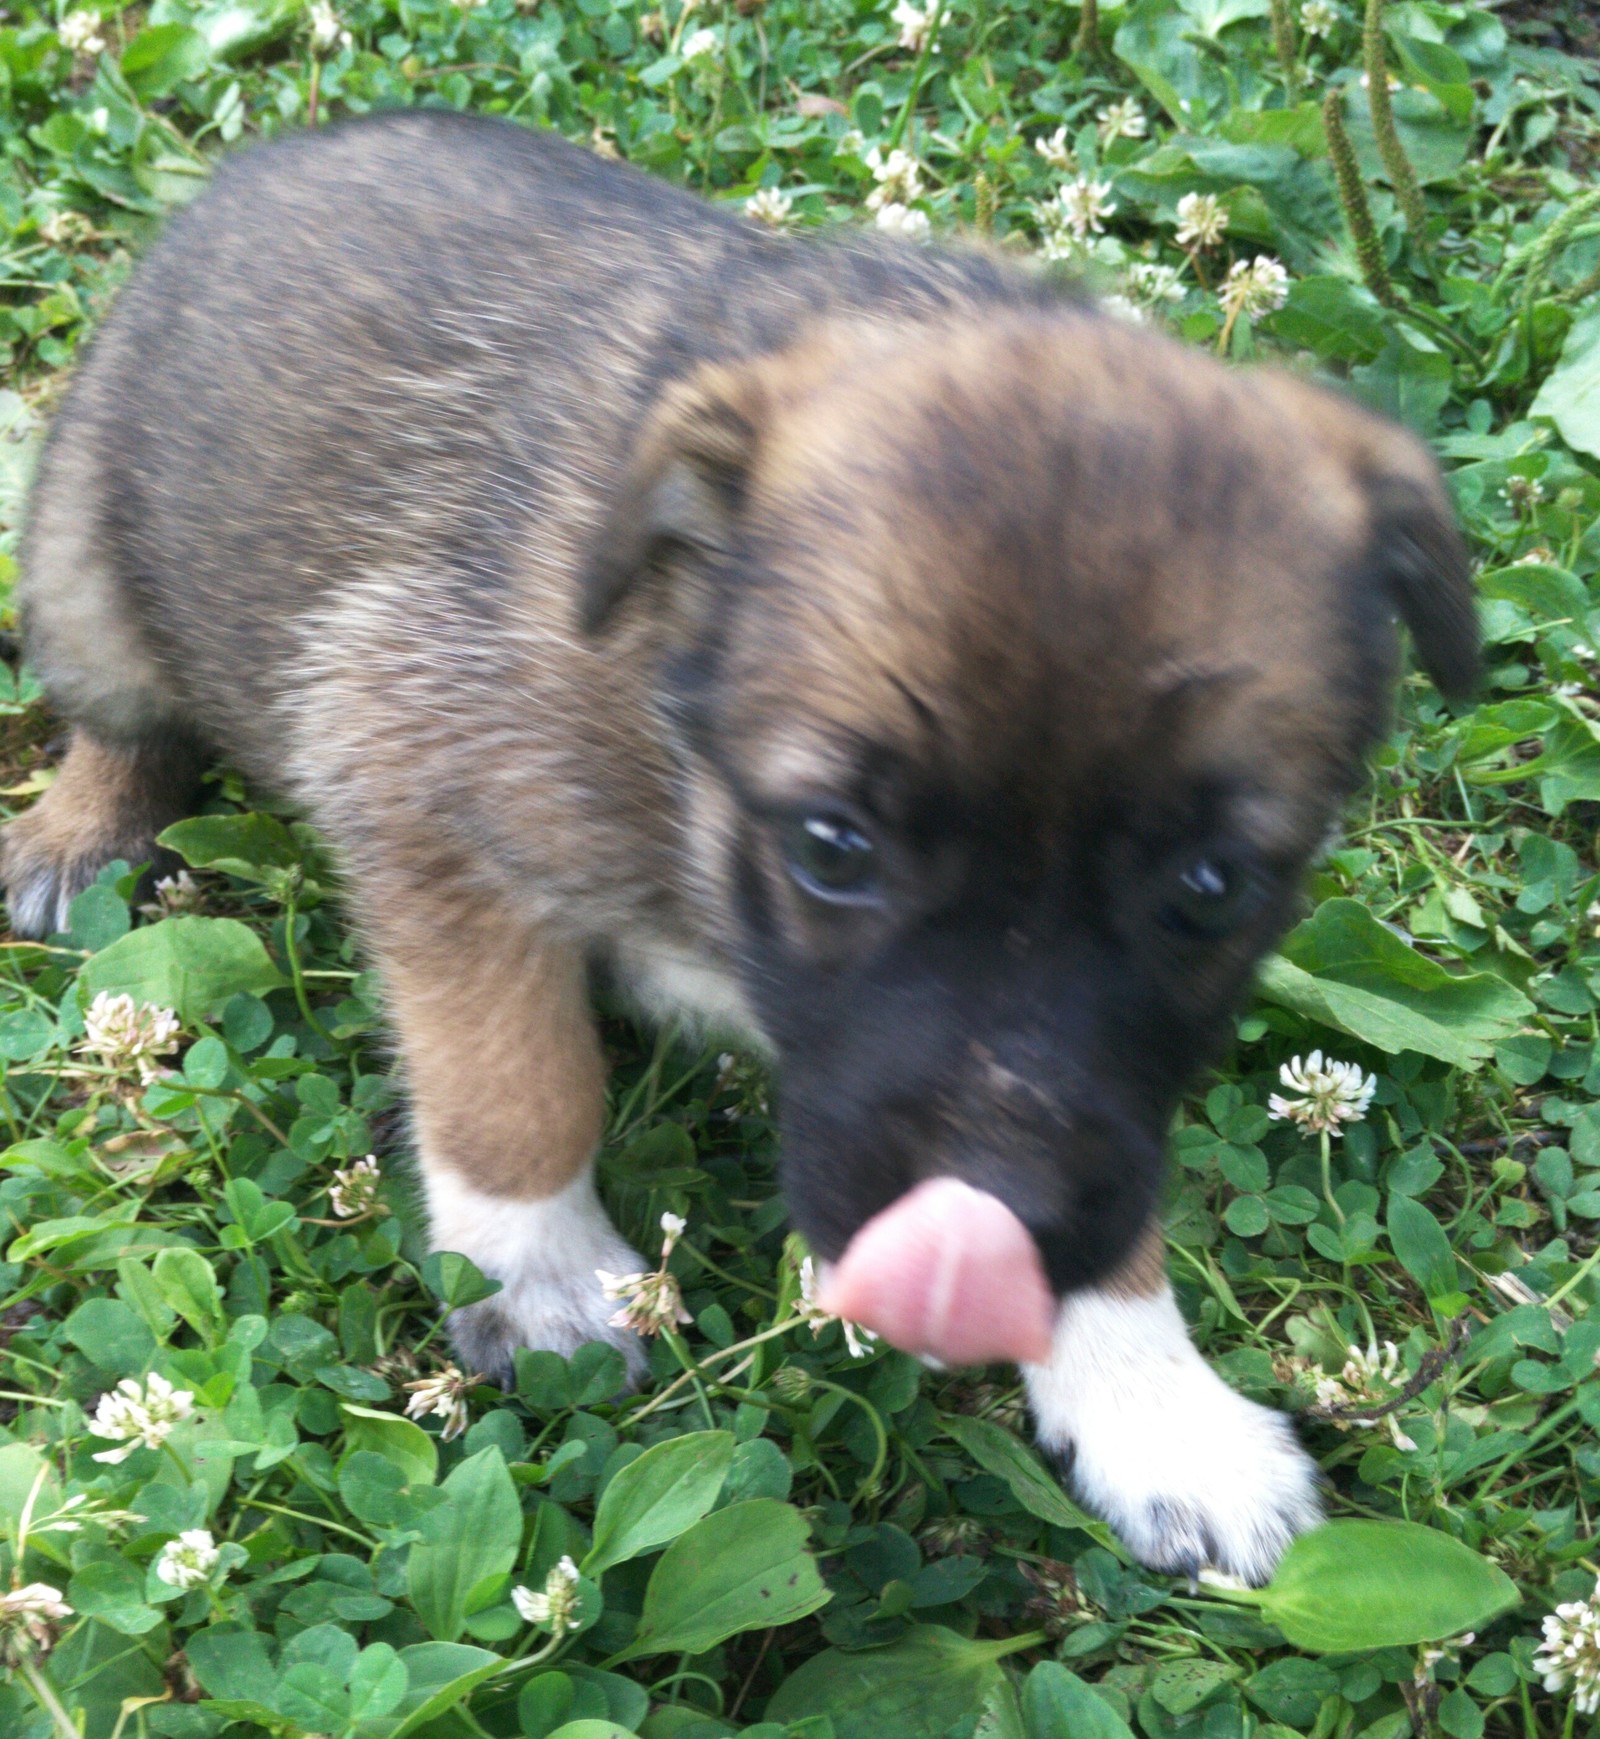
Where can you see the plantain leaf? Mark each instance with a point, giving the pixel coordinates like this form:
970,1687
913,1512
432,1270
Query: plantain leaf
744,1568
1366,1584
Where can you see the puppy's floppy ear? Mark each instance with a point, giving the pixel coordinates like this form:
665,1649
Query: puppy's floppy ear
1417,554
682,490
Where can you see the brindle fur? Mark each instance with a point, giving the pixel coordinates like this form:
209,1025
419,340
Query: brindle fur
549,536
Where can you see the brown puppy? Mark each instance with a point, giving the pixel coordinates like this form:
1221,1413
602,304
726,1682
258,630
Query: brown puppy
865,649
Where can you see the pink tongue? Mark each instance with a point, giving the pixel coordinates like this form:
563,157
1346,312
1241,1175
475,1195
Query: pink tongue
947,1270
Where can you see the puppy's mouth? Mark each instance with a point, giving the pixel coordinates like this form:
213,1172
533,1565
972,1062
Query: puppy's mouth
947,1271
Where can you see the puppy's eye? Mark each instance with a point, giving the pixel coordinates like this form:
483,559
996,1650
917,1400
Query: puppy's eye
1210,897
831,858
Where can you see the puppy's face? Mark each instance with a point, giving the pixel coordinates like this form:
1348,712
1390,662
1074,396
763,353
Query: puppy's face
1016,676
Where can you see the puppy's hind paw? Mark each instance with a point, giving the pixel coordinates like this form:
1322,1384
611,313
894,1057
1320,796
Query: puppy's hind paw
1189,1473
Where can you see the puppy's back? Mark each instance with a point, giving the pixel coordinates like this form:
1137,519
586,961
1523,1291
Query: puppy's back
417,342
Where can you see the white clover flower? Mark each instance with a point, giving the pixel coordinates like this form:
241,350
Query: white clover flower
913,23
187,1562
1084,204
354,1190
1371,1369
856,1338
1149,283
139,1416
1124,120
29,1615
904,221
1056,152
555,1609
1202,220
66,229
77,1510
701,45
326,30
1569,1656
899,178
1372,1375
80,32
1056,240
1522,492
1319,18
127,1037
1261,287
444,1396
1123,308
650,1302
1329,1093
175,894
770,206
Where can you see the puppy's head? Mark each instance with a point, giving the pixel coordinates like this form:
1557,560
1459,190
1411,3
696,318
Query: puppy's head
1015,674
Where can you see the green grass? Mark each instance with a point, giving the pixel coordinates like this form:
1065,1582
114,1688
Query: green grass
184,1226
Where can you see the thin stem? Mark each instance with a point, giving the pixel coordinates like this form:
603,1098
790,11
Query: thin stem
292,951
1327,1177
45,1695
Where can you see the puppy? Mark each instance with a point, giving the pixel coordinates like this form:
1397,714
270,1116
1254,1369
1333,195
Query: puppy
872,651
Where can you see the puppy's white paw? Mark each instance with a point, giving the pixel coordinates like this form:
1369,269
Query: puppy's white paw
545,1254
1189,1473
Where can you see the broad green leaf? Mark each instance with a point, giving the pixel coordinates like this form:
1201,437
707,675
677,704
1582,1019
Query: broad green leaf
920,1685
112,1591
232,1663
23,1470
1057,1704
112,1335
237,844
998,1452
189,964
1345,969
1435,140
379,1682
397,1440
97,917
1214,16
1001,1715
652,1500
744,1568
438,1676
1567,767
1546,592
161,57
1367,1584
1570,396
186,1282
1153,42
1421,1247
592,1730
1333,318
312,1695
472,1537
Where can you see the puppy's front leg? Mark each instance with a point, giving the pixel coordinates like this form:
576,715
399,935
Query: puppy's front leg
507,1091
1188,1472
